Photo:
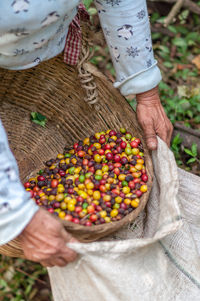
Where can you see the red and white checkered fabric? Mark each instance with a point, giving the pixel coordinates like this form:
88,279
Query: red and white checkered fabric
74,37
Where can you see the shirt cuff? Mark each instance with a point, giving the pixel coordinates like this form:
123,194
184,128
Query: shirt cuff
15,221
142,81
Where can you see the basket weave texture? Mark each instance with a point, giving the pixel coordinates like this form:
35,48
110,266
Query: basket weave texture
55,90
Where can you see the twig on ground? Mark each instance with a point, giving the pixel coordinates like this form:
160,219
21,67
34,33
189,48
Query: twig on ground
193,7
173,12
25,273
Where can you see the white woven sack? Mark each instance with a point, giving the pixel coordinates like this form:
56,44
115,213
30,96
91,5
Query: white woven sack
155,258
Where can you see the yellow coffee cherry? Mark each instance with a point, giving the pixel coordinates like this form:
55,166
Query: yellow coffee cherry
96,202
114,213
63,206
98,172
103,213
90,152
83,194
97,158
59,197
121,177
105,168
134,204
67,199
107,185
73,160
81,186
97,136
107,151
135,151
57,210
140,161
86,141
139,166
118,199
60,156
143,188
77,170
70,207
102,133
82,214
110,180
67,161
60,189
126,189
97,145
127,201
107,198
107,219
61,214
52,167
136,174
73,201
32,179
90,185
90,192
96,195
52,197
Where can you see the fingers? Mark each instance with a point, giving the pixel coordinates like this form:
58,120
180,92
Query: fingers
170,132
164,128
154,122
150,135
67,253
57,261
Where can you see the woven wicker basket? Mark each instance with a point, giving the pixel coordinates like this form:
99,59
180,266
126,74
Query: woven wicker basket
60,92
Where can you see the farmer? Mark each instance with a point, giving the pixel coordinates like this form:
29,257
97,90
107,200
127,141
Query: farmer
32,31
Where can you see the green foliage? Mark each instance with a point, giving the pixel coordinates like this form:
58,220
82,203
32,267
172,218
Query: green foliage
87,3
192,153
38,118
19,280
175,147
185,105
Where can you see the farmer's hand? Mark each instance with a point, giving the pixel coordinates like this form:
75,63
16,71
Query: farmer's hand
152,118
44,240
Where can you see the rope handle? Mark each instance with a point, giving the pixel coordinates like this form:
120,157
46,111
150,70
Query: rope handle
86,77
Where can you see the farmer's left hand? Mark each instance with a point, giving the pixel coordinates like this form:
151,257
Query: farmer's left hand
152,118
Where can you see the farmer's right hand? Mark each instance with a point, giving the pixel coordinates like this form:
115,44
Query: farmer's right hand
153,118
44,240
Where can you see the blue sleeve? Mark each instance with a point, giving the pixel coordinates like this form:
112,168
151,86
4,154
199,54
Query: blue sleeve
126,27
16,206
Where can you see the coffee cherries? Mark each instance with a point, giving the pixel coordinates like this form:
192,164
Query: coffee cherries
99,180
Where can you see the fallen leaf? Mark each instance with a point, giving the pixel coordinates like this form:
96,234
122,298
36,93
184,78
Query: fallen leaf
196,61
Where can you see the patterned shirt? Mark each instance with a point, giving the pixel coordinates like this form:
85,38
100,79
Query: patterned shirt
32,31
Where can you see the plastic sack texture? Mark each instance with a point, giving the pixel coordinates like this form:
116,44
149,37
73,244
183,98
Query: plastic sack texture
155,258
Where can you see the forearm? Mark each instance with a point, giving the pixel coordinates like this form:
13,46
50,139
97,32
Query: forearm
16,207
127,31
